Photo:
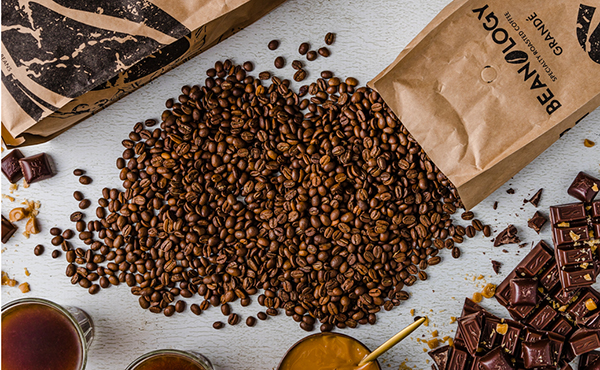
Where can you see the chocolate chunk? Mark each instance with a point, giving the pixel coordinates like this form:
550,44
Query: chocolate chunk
584,187
574,257
10,166
535,261
8,229
564,296
507,236
440,356
458,358
542,317
520,312
537,222
567,213
510,340
562,326
592,321
588,360
584,305
523,292
569,235
496,266
584,340
471,326
495,360
495,206
577,279
489,334
36,168
549,279
535,199
537,354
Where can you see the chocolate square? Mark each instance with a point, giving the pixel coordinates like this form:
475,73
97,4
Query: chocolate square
542,317
471,326
584,187
537,354
8,229
495,360
583,341
36,168
10,166
523,292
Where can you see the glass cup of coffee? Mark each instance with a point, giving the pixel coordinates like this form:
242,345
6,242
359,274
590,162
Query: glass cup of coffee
327,351
168,359
40,334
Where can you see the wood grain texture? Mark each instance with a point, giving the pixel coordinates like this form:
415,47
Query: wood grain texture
370,34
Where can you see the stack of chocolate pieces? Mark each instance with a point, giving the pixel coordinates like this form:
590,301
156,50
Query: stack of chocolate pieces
550,325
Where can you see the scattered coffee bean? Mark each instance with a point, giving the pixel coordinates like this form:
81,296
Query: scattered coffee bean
68,234
169,310
84,204
226,309
78,195
470,231
455,252
264,75
326,74
57,240
76,216
478,225
38,250
55,231
279,62
261,316
85,180
487,231
311,55
78,172
195,309
300,75
248,66
303,48
55,253
180,306
297,64
94,288
250,321
324,52
233,319
351,81
273,44
495,206
272,311
329,38
218,325
467,215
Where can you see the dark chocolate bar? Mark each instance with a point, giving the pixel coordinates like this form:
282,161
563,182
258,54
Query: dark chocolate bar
36,168
584,187
10,166
8,229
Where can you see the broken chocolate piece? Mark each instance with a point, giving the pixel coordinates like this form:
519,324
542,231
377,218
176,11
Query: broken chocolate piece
496,266
584,187
507,236
10,166
471,325
537,222
535,199
510,191
523,292
458,358
36,168
440,356
8,229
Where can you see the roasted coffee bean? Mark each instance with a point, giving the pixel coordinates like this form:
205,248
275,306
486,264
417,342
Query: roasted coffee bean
57,240
487,231
273,44
225,309
169,310
264,75
478,225
55,231
307,327
218,325
326,74
233,319
351,81
78,172
250,321
297,64
38,250
180,306
67,234
76,216
55,253
300,75
93,289
311,55
261,316
324,52
329,38
470,231
85,180
279,62
303,48
195,309
78,195
467,215
84,204
248,66
455,252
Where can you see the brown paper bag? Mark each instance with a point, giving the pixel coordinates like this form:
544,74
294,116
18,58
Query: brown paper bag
488,85
64,60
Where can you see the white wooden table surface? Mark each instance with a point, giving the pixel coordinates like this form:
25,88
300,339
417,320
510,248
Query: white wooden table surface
370,34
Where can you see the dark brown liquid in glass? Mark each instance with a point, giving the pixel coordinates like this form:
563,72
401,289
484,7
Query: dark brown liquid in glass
168,362
36,336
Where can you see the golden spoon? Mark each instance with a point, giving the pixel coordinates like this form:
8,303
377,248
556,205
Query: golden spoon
392,341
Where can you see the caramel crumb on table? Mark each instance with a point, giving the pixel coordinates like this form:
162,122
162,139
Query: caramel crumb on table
6,280
24,287
588,143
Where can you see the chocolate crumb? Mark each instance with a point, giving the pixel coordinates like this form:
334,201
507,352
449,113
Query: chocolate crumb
496,266
507,236
535,199
504,251
495,206
510,191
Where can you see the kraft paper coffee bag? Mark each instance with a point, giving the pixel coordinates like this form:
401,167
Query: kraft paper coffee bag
487,86
64,60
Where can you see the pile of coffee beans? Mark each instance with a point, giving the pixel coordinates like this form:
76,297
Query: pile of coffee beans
324,206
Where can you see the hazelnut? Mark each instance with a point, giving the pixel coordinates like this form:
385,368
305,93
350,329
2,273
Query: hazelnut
17,214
